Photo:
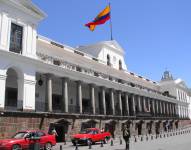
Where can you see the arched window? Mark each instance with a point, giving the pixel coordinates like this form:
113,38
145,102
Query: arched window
120,65
108,60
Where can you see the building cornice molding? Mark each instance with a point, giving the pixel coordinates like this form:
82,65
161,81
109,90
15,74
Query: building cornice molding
58,71
36,12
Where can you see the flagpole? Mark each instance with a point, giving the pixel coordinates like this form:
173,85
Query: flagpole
111,31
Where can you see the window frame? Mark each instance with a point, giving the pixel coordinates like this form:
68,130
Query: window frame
22,37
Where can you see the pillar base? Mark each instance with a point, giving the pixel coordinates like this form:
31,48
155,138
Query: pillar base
2,108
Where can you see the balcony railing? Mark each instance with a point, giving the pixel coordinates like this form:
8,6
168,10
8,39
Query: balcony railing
88,71
144,114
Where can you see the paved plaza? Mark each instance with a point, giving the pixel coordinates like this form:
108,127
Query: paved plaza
178,142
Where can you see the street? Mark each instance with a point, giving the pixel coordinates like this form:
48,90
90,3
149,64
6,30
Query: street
178,142
97,146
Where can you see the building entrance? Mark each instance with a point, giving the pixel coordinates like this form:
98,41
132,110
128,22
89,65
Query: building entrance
149,127
11,92
61,128
139,127
157,127
88,124
110,127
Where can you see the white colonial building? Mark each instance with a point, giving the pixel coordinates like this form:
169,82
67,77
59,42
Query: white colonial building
178,89
44,83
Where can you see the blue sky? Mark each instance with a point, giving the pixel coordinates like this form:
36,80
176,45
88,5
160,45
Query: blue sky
155,34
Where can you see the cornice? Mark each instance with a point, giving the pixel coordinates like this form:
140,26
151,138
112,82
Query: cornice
40,15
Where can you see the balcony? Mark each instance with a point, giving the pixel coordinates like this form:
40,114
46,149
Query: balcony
60,62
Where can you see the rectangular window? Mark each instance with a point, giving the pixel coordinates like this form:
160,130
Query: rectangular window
16,38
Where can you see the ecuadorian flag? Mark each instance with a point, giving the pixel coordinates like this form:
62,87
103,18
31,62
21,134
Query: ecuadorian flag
100,19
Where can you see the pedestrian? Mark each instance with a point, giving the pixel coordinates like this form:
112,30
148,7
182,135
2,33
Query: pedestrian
167,126
126,136
53,132
102,130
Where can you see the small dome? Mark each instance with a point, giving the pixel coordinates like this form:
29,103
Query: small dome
167,76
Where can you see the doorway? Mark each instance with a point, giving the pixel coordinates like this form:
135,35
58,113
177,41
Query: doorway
110,127
61,128
139,127
88,124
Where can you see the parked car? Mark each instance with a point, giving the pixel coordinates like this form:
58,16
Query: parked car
24,139
90,135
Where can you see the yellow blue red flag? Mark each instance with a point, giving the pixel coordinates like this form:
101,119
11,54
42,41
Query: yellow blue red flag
101,18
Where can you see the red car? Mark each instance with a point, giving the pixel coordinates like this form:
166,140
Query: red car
90,135
24,139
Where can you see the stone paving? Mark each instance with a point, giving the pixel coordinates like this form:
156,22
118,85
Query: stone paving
97,146
179,142
176,142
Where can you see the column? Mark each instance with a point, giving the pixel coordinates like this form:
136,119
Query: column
20,96
26,91
177,110
127,103
183,108
164,108
133,104
5,25
160,106
65,95
92,97
103,99
167,108
174,109
49,92
144,104
153,106
120,103
181,112
170,109
79,96
172,105
139,103
157,107
112,102
149,105
2,92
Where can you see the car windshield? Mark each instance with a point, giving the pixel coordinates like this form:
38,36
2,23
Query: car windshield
19,135
86,131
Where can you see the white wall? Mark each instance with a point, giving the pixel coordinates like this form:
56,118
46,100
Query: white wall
10,15
114,58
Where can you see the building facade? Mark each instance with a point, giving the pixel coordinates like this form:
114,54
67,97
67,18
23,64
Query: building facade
45,84
178,89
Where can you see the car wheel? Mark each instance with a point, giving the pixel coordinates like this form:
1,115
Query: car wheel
48,146
16,147
74,144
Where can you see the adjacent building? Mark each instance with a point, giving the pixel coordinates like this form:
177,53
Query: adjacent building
178,89
45,84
